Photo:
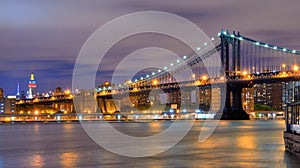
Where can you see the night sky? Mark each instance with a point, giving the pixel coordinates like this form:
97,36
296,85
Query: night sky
46,36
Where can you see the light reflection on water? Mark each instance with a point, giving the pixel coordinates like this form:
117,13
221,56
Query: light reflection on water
36,128
69,159
36,161
233,144
246,141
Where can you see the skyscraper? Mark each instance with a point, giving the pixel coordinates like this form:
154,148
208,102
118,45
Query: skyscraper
1,93
31,87
18,91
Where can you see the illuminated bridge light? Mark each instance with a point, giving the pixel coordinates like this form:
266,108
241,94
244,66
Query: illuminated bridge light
275,48
284,49
159,71
204,77
219,34
266,45
165,68
205,44
147,76
296,68
153,73
232,35
178,61
135,80
212,39
184,57
142,78
294,51
241,38
198,49
171,64
257,43
155,82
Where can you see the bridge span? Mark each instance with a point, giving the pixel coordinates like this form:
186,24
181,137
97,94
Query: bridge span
221,68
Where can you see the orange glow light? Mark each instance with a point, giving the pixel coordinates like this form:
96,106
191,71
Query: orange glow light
296,68
204,77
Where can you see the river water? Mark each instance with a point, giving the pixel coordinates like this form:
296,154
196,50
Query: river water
251,143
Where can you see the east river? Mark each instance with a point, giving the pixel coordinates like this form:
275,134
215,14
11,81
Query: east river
253,143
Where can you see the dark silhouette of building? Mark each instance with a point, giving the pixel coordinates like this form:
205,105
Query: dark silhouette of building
1,93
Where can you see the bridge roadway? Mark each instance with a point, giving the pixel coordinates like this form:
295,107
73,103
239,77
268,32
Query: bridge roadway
239,80
233,84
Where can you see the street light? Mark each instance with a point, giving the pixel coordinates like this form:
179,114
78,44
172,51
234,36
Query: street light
67,92
283,66
204,77
155,82
296,68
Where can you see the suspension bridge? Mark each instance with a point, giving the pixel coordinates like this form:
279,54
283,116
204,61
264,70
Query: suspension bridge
216,72
210,79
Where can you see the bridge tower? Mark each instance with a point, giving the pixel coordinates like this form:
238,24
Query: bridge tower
231,61
227,41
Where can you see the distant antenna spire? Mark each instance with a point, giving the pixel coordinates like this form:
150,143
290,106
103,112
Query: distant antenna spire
18,90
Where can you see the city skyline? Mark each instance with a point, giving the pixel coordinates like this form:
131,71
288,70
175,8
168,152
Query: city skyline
45,37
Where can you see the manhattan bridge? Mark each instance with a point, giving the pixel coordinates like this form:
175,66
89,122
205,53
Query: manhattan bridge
209,80
243,63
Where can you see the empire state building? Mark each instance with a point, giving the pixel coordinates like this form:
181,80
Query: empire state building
31,87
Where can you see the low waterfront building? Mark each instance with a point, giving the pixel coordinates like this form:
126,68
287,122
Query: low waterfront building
8,105
85,101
